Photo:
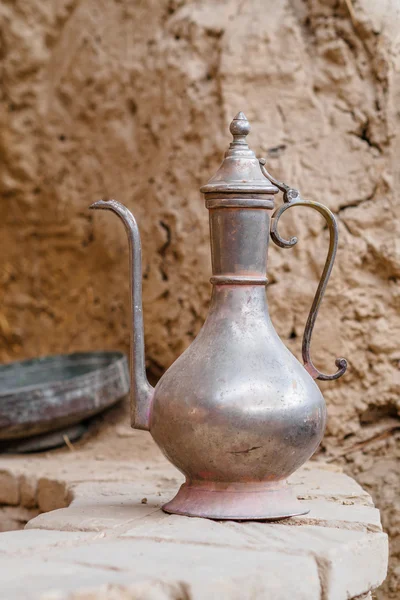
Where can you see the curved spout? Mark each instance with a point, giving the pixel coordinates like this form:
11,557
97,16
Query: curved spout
141,391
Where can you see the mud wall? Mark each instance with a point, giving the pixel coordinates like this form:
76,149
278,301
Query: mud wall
132,100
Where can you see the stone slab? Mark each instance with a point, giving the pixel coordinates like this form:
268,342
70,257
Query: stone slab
97,507
24,542
107,529
318,482
32,578
352,562
340,515
208,571
147,590
9,488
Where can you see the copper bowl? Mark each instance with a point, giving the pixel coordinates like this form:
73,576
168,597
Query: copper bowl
54,392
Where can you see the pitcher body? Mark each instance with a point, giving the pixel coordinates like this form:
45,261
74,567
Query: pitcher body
236,413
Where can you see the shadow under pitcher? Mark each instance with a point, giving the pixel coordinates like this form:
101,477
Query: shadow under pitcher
236,413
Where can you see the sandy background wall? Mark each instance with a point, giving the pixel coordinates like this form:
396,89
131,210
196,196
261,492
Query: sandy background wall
133,99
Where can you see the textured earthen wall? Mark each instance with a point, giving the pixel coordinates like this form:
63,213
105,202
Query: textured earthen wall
132,99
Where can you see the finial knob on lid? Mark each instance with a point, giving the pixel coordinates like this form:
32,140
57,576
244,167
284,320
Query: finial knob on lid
240,125
240,171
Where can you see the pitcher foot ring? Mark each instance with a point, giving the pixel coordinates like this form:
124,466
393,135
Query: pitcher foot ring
236,501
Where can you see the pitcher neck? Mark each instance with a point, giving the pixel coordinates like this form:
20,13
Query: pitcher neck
239,245
239,304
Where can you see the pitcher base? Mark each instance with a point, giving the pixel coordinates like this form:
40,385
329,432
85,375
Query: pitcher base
236,501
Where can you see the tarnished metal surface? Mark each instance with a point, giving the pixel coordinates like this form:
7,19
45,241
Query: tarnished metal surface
240,172
291,197
47,394
236,412
236,501
141,390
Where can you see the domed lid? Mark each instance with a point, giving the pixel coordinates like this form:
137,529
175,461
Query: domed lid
240,170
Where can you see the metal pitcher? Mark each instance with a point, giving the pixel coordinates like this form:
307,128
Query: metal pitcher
236,413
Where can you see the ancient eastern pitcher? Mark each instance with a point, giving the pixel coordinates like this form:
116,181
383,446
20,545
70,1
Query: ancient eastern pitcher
236,413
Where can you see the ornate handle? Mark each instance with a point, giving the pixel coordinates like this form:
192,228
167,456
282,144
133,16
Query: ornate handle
291,197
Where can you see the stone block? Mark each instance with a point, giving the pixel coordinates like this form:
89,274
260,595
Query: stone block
357,570
24,543
13,518
363,557
209,571
51,494
342,515
97,507
31,577
28,491
148,590
312,482
9,488
112,535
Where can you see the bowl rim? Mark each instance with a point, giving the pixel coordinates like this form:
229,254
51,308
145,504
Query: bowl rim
116,359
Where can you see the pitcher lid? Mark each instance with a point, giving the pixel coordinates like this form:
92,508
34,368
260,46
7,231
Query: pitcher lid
240,170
